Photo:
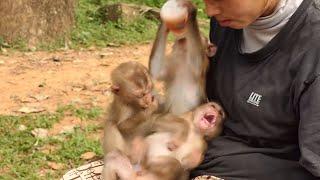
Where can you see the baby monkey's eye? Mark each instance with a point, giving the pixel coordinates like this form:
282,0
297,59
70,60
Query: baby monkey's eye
137,93
140,95
214,106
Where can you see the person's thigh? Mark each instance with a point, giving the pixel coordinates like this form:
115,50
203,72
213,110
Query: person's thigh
252,166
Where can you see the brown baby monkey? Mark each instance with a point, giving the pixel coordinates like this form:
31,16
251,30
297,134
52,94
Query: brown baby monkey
131,117
183,71
133,102
204,123
163,163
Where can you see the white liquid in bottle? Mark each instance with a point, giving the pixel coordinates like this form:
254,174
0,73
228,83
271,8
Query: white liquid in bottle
174,16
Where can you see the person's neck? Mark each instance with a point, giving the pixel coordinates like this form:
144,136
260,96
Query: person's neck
270,7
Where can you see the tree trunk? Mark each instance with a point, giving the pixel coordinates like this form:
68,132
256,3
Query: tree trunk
36,21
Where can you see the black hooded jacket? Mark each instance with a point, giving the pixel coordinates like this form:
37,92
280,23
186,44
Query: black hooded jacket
272,101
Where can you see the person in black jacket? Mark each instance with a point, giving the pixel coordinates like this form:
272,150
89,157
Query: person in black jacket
266,75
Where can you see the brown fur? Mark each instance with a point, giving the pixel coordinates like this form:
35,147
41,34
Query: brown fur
188,149
162,163
160,168
184,69
133,102
130,119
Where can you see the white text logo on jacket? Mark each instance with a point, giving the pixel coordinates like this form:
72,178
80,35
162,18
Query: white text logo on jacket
254,99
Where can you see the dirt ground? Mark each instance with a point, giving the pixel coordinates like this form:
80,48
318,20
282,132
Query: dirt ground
33,82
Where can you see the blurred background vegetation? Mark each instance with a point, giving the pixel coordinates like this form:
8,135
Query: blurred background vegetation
91,30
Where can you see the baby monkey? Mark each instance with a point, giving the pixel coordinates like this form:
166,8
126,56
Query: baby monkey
133,102
183,71
164,163
204,123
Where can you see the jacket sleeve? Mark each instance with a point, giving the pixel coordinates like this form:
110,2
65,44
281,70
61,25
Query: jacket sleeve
309,127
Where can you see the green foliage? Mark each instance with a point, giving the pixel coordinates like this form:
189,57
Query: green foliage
52,46
19,43
22,156
92,31
75,145
151,3
114,33
80,112
2,42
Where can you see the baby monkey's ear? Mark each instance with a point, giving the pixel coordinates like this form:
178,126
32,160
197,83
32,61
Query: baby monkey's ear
115,89
222,113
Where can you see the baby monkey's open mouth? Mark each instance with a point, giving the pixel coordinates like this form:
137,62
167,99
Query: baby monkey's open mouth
208,121
210,118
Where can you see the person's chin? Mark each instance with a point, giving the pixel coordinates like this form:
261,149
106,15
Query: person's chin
225,23
232,24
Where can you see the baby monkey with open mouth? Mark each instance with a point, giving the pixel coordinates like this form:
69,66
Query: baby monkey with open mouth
168,157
